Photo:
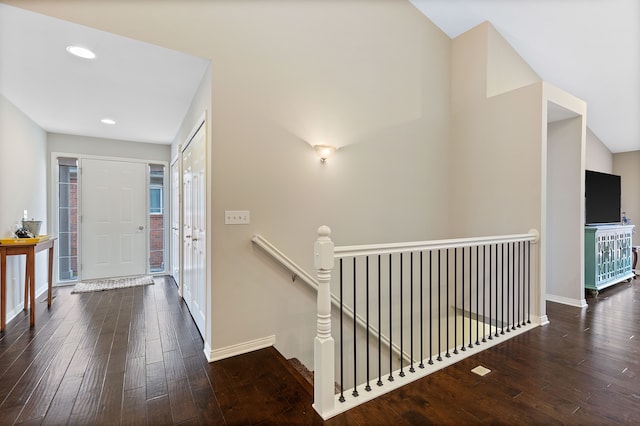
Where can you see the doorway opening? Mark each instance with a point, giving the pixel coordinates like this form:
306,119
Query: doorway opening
69,186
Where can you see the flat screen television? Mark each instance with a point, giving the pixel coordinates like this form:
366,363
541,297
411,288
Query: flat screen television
602,198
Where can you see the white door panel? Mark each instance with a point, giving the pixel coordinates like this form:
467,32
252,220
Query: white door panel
194,227
187,276
175,224
113,227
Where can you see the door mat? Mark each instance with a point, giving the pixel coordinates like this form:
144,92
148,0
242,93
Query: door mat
111,283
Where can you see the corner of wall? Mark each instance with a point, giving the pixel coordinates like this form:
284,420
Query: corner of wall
468,66
597,155
506,70
484,61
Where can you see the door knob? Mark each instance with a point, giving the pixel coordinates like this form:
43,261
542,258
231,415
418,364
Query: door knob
140,227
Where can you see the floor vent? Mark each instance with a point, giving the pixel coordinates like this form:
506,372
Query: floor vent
481,371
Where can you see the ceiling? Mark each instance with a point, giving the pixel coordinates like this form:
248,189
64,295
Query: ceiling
146,89
589,48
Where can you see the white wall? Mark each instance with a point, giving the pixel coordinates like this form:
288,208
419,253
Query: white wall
495,139
201,104
563,221
627,165
107,147
597,155
200,109
565,172
374,78
383,97
499,145
22,187
286,75
496,136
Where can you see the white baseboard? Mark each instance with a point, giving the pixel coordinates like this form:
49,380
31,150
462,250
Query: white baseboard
14,312
567,301
543,320
207,351
11,314
239,349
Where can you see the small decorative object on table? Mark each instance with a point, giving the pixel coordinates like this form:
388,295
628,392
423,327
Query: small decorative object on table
23,233
32,226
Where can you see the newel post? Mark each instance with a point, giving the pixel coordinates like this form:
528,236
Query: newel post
323,362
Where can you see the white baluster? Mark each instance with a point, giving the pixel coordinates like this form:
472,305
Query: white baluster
324,373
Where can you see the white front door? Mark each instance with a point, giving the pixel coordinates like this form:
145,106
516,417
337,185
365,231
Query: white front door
175,224
113,221
194,227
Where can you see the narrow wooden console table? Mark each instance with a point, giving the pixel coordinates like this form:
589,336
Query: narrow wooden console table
29,248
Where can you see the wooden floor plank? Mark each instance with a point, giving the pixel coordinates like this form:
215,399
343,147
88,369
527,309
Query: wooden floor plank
32,366
156,380
43,393
60,408
174,366
209,411
153,351
134,357
134,407
135,373
183,407
159,411
110,405
87,401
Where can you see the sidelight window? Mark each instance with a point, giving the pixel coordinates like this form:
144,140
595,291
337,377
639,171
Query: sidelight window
156,218
67,219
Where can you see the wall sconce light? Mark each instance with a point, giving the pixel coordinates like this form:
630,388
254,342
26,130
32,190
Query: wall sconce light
324,151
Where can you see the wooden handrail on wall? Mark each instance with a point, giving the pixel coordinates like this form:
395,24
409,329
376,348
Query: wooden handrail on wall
297,272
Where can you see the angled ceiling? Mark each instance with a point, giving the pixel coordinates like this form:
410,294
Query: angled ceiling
589,48
146,89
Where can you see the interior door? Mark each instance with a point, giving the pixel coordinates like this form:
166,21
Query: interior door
187,249
194,226
113,218
175,224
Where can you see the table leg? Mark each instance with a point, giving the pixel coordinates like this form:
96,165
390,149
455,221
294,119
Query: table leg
32,284
50,277
3,289
26,285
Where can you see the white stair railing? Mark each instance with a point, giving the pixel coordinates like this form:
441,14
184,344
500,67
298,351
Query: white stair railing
297,272
483,287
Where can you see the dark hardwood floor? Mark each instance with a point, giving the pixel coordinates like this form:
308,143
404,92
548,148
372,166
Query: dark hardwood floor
133,356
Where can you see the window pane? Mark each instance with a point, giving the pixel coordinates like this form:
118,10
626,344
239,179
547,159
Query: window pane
156,218
63,213
67,219
67,169
64,195
155,200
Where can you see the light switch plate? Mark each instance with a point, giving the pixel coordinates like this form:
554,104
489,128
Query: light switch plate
237,217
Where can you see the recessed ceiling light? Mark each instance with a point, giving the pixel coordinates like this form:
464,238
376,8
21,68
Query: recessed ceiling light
108,121
81,52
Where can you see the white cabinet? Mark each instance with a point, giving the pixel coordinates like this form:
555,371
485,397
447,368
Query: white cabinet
607,255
